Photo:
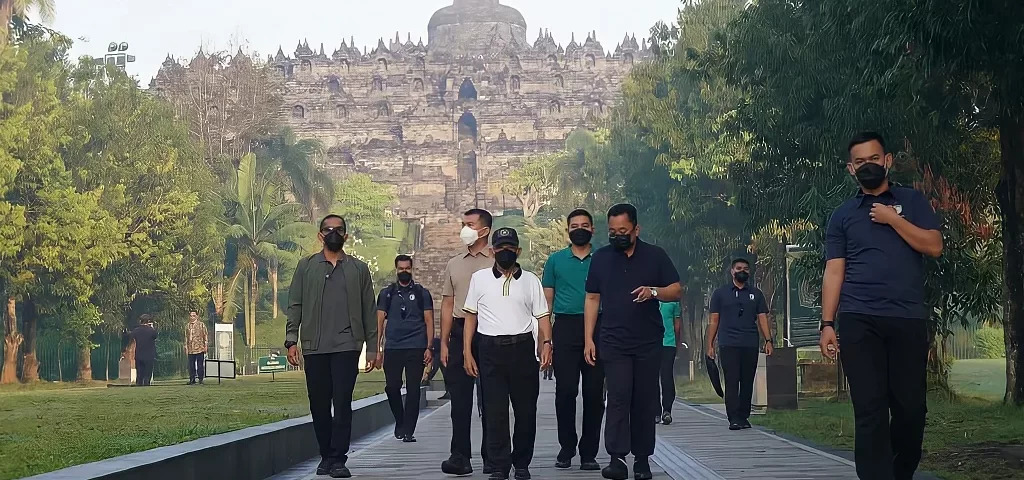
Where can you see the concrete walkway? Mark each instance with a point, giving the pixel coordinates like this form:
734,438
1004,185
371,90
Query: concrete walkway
696,446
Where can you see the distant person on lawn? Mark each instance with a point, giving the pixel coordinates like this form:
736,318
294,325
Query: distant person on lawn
145,350
196,342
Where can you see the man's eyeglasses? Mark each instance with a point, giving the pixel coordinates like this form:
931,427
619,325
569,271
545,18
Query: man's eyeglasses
327,230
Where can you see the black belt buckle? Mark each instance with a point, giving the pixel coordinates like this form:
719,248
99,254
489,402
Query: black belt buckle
506,340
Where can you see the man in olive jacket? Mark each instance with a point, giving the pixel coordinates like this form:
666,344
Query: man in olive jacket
331,315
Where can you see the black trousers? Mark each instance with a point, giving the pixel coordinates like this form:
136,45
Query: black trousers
885,360
569,366
668,380
632,379
330,379
509,372
144,371
739,364
397,362
196,365
460,390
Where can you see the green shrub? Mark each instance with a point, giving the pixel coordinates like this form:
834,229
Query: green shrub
989,342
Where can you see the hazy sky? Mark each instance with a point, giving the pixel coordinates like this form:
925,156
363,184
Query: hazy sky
154,28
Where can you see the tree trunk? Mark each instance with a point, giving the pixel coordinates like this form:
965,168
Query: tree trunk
273,287
12,342
1011,203
85,361
30,365
6,13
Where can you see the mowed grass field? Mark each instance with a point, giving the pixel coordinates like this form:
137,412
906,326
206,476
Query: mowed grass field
47,427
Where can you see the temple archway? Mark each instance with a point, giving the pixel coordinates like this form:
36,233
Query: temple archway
467,91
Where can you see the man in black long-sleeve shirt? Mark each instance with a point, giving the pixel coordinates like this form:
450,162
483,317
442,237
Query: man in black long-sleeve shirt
145,350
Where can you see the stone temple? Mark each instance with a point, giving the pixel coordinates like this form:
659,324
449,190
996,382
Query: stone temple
446,119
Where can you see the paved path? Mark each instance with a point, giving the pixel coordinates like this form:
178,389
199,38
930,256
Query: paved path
696,446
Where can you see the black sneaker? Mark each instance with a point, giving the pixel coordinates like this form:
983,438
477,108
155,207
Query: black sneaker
456,466
642,469
616,470
498,476
666,418
563,463
589,464
339,470
409,439
522,474
445,396
398,432
735,426
325,466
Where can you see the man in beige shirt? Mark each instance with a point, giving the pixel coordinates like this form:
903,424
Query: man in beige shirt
476,229
196,340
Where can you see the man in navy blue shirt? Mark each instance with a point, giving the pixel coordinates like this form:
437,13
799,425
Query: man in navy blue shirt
874,281
626,280
738,310
408,311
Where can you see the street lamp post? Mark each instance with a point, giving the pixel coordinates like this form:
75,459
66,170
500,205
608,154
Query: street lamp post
117,55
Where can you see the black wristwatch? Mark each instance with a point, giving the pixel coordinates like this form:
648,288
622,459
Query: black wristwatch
829,323
289,344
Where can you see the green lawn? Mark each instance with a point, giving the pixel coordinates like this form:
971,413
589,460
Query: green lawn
46,427
979,378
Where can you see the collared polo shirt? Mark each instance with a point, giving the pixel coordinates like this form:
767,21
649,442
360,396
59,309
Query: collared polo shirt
335,322
406,327
669,313
737,310
506,305
627,325
457,274
884,274
567,275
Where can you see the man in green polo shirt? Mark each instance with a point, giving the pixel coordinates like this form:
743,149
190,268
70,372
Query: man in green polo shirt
670,313
565,275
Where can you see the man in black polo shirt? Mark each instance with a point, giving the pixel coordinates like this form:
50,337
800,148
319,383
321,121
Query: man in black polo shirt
408,311
874,280
738,310
625,282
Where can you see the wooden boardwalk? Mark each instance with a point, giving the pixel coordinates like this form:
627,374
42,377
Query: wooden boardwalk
696,446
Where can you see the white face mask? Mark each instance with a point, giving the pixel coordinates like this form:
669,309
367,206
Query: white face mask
468,235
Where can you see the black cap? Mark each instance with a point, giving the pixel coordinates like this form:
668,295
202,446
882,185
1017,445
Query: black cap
505,236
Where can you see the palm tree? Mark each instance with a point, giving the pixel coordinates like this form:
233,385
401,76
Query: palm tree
296,160
265,228
12,9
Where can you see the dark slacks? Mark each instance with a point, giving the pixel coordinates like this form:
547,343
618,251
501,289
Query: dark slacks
668,380
509,372
330,379
409,362
144,371
632,380
196,366
569,366
885,361
739,364
460,390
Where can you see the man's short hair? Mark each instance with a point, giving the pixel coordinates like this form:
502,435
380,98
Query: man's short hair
145,318
344,224
579,212
739,260
865,137
485,216
403,258
623,209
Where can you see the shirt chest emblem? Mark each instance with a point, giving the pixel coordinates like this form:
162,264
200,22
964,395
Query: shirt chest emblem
899,209
412,296
751,297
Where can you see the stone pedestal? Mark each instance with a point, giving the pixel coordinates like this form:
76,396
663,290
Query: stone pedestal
683,368
125,371
781,377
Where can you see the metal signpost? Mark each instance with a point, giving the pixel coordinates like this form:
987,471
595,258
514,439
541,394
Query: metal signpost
272,364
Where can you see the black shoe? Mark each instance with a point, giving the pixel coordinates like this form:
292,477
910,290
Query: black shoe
589,464
498,476
398,432
563,463
642,469
201,382
745,425
657,419
325,466
666,418
616,470
456,466
409,439
445,396
522,474
191,382
339,470
735,426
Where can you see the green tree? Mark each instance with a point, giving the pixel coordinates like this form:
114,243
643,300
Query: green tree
11,10
311,186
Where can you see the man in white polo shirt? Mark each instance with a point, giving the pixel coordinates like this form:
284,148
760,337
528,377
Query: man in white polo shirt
506,306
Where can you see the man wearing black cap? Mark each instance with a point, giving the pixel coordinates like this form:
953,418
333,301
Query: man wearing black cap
507,307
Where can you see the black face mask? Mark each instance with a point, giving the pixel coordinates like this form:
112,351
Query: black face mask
580,237
741,277
334,241
506,258
871,175
620,242
404,277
